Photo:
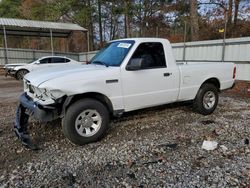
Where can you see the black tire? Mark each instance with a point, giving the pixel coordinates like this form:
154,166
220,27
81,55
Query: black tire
77,112
21,73
202,104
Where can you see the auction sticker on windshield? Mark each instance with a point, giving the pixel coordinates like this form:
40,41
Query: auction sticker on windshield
123,45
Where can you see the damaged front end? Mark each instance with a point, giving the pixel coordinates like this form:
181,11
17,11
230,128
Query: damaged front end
28,107
9,71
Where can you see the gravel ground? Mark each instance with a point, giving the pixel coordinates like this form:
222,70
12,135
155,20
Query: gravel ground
157,147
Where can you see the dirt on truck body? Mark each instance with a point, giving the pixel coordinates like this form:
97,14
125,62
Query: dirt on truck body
153,147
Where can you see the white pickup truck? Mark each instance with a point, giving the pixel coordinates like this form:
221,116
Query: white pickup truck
126,75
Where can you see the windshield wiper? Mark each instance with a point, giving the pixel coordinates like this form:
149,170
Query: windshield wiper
100,62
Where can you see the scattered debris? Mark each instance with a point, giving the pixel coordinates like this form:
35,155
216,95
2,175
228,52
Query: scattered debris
200,158
209,145
131,175
70,179
171,146
218,131
153,162
207,122
130,163
215,132
19,150
224,148
247,141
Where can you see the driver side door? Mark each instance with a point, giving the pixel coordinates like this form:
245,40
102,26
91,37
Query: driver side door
153,83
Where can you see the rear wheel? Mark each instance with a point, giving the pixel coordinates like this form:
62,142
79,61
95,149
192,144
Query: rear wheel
85,121
21,73
206,99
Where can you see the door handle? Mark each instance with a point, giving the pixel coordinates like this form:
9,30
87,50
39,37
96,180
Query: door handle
167,74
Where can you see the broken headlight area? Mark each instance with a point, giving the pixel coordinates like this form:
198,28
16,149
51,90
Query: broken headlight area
44,96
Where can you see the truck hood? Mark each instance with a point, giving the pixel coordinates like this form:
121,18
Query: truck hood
38,77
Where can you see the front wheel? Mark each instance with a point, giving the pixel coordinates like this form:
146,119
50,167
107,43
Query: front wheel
85,121
206,99
21,73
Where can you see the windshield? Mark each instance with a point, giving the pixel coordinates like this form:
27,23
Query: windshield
113,54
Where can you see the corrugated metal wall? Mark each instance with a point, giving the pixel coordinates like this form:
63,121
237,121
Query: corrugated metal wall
236,50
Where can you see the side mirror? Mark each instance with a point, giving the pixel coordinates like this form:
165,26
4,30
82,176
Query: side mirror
135,64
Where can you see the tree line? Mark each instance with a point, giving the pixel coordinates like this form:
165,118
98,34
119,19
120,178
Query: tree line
176,20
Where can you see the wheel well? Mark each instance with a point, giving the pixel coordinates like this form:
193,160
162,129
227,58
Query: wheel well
15,76
93,95
20,70
213,81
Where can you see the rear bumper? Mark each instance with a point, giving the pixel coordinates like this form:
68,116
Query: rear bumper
42,113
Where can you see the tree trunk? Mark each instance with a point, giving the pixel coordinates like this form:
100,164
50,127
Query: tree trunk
236,11
229,18
230,10
127,18
140,19
100,23
194,20
111,23
125,26
90,27
114,30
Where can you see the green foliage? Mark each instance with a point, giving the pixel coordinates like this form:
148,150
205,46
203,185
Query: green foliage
10,9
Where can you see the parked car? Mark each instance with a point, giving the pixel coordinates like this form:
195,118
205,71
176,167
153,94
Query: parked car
127,75
19,70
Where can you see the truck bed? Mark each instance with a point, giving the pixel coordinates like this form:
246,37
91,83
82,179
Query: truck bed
193,74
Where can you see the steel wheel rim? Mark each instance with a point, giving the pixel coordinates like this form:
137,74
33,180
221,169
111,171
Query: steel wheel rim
209,100
88,123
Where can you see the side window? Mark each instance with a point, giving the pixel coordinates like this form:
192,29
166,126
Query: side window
152,54
44,61
67,60
59,60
